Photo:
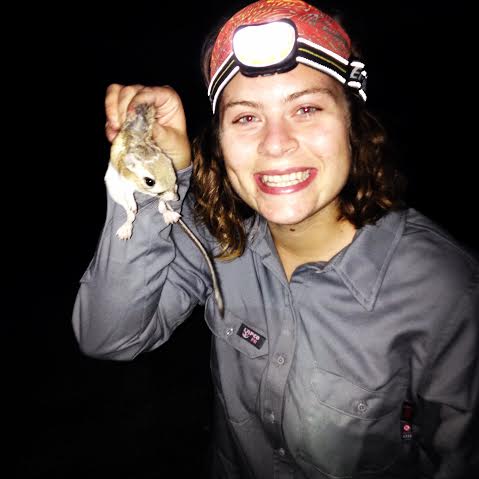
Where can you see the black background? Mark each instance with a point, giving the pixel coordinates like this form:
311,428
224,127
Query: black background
72,416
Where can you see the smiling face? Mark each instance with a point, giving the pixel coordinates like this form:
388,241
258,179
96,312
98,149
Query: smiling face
285,142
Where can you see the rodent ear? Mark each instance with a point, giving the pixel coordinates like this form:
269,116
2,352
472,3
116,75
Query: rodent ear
131,161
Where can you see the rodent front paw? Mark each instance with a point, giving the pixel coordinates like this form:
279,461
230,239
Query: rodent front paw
169,196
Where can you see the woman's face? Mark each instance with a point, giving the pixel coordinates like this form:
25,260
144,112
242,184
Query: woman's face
285,141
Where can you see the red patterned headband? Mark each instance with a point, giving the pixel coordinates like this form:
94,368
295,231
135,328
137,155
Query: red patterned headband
319,42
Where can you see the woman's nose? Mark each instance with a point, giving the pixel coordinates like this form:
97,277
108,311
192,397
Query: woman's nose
277,140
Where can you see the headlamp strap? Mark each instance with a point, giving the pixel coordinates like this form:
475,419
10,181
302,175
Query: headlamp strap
357,75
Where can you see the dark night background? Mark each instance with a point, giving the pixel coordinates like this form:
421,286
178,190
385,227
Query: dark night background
72,416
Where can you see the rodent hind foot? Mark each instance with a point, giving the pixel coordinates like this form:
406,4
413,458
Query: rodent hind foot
124,231
171,217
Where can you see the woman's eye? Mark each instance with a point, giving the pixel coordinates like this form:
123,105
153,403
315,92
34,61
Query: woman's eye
305,110
245,119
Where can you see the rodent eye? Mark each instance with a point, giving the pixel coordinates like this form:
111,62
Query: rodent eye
149,181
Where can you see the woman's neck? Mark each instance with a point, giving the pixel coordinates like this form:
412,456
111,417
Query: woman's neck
317,238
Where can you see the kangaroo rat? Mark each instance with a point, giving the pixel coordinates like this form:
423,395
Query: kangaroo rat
138,164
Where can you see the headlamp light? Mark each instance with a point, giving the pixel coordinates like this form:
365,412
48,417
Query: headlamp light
266,48
275,47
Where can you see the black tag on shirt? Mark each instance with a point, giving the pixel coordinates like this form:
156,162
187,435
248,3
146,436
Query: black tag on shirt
251,336
407,415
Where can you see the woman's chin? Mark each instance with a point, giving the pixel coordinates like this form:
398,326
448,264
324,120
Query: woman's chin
284,216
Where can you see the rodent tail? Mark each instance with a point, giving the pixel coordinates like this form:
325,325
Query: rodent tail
216,288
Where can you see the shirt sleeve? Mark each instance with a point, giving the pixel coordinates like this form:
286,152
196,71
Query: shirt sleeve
449,396
136,292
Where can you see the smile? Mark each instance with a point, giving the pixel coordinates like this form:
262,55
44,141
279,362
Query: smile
285,180
288,182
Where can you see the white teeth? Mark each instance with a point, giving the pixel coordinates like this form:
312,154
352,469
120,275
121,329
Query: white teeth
285,180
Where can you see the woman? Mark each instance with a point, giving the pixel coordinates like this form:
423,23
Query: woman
341,306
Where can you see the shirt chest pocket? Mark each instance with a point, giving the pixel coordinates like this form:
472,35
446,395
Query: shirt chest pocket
358,429
239,358
348,398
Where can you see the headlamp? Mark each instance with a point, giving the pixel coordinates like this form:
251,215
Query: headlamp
266,48
276,47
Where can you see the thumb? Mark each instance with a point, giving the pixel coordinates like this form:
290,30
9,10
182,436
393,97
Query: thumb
174,143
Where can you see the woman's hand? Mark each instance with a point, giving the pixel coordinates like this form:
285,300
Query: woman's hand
169,131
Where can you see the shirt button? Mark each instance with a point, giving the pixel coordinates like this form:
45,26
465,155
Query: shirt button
269,416
281,451
229,331
280,360
362,407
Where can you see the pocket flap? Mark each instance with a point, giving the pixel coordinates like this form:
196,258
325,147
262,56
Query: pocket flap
347,397
241,334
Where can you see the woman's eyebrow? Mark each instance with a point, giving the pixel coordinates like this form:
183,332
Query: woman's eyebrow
245,103
309,91
289,98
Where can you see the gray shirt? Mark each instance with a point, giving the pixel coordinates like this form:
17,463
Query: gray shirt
310,374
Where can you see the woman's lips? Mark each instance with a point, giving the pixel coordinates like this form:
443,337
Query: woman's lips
283,182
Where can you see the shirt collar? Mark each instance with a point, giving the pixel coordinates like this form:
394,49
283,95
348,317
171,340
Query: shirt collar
261,242
361,266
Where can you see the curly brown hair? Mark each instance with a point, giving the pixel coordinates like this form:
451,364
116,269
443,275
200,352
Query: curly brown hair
374,186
